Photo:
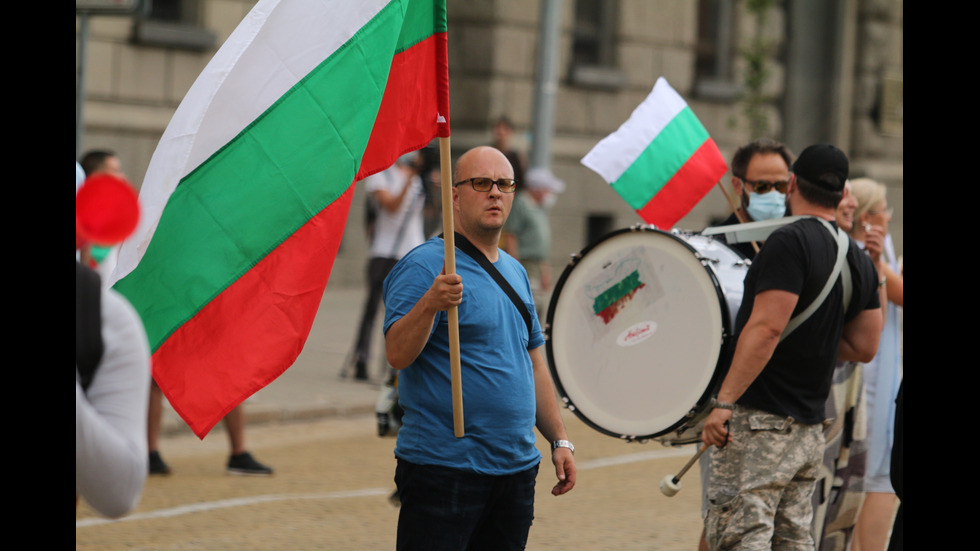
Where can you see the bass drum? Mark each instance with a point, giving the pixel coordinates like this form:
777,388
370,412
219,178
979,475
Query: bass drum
639,331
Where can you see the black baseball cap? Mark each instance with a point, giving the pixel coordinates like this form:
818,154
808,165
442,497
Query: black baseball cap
819,159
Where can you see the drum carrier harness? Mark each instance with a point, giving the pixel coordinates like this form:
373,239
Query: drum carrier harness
843,243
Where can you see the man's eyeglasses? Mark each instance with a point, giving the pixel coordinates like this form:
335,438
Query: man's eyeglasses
505,185
764,186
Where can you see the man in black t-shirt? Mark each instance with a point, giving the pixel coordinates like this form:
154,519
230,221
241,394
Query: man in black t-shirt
766,424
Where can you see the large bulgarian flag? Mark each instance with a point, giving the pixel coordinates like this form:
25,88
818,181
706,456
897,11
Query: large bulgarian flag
661,160
246,196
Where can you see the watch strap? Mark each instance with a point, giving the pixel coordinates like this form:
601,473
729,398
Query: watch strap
723,405
562,444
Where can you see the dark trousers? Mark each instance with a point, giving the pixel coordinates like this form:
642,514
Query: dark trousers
377,270
445,509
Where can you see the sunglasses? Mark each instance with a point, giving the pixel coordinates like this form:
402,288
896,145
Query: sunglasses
763,186
505,185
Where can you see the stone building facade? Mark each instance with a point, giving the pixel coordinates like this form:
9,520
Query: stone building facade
830,71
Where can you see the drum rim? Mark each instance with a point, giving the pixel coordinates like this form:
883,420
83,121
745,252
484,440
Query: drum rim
724,354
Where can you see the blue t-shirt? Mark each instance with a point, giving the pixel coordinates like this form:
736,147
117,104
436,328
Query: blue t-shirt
496,372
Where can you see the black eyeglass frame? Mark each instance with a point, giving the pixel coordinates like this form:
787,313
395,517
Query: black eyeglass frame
509,183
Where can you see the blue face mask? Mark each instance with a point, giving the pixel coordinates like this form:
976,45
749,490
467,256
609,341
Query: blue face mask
766,206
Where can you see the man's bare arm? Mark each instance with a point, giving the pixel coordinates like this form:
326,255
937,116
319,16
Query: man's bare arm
392,201
549,422
859,342
771,311
406,338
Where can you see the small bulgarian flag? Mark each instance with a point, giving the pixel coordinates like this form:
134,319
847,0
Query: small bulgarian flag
613,299
247,194
661,161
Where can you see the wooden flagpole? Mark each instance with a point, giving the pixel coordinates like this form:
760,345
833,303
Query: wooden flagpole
445,166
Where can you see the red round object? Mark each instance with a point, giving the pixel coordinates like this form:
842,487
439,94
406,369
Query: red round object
106,209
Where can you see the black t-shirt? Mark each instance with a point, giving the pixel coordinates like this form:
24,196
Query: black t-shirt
799,258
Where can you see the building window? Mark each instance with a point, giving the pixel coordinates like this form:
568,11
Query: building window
173,24
174,11
714,73
108,7
594,45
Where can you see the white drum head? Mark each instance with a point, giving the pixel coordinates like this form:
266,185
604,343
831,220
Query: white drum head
635,333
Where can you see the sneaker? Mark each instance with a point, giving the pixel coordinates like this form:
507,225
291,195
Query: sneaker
245,464
157,466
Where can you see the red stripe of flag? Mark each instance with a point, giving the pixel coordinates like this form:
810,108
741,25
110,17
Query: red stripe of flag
686,187
404,121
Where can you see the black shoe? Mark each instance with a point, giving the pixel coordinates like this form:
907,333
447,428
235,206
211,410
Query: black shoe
157,466
245,464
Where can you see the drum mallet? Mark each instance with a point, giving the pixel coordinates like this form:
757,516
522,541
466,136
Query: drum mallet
670,485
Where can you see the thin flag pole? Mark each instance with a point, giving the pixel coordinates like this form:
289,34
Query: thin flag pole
445,162
731,203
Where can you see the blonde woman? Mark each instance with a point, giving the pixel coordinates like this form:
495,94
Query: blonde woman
883,375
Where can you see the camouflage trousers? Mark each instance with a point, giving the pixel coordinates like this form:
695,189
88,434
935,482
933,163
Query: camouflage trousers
761,483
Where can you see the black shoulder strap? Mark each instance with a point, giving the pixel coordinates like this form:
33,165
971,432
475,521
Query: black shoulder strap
88,323
464,245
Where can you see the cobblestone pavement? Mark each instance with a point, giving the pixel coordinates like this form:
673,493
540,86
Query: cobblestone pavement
331,487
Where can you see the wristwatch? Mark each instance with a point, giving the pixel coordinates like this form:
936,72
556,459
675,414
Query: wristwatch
563,444
723,405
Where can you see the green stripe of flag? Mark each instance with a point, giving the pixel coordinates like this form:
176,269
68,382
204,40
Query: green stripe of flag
298,157
665,155
422,20
609,297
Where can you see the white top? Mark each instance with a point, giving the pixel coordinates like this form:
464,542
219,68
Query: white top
110,418
396,233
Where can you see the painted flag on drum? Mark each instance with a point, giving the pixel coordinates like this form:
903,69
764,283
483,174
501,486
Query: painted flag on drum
661,160
247,194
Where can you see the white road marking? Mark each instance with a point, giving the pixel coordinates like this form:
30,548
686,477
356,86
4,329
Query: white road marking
366,492
238,502
633,458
